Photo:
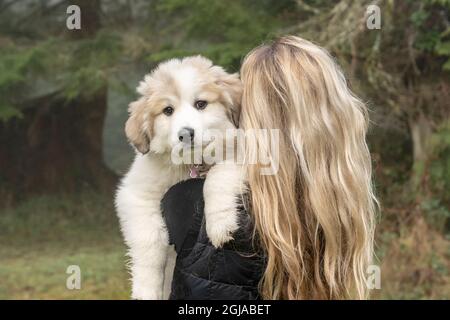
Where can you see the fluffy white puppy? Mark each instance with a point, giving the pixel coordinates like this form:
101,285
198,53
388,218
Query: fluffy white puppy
180,101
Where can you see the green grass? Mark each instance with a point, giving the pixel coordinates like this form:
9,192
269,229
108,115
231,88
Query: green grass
41,237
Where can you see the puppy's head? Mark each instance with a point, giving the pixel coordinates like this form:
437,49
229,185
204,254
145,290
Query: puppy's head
180,100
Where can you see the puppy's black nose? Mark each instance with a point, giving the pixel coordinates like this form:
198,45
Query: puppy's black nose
186,135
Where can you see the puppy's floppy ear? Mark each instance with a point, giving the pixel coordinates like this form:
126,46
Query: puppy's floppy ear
231,88
136,129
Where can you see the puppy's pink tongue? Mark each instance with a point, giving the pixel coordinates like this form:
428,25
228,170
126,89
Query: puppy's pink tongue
193,172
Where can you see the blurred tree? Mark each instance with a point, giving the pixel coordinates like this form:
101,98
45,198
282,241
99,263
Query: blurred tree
403,67
224,31
53,84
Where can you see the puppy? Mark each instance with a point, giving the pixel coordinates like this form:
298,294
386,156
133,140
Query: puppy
180,101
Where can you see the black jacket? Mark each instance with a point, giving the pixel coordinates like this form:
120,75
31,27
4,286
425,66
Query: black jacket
202,271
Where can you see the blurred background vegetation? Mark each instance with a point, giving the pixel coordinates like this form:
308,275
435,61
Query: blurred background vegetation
63,104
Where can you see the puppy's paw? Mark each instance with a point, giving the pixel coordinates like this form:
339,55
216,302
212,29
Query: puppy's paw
140,292
221,226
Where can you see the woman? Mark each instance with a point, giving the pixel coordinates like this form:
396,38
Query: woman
314,218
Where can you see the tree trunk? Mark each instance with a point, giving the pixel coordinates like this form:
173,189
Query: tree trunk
57,145
420,129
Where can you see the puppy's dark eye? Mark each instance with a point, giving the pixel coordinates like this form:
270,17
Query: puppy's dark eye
201,104
168,110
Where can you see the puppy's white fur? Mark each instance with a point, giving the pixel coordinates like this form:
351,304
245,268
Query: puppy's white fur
178,83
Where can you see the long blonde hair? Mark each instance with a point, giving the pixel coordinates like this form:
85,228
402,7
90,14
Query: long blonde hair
315,217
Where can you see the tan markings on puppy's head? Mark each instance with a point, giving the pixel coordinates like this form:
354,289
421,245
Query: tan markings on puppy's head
229,87
198,62
232,91
138,128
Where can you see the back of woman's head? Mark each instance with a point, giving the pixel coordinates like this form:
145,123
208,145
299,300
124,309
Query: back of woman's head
314,216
